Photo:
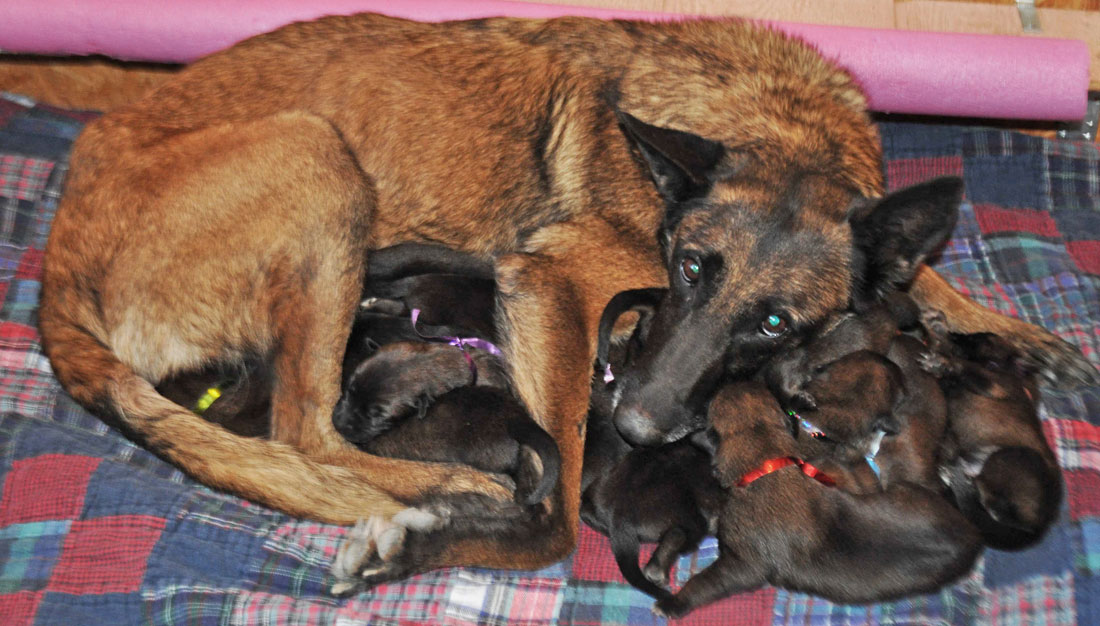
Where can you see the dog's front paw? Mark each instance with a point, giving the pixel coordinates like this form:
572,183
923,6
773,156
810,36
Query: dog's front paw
369,554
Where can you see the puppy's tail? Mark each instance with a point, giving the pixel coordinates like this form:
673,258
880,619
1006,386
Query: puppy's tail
527,433
625,545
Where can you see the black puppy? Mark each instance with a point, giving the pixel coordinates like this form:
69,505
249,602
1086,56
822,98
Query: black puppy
997,463
779,525
665,494
453,381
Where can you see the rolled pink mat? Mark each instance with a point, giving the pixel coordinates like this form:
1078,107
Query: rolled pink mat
901,71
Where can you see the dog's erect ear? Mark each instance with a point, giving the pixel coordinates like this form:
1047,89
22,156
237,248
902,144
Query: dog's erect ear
680,162
895,234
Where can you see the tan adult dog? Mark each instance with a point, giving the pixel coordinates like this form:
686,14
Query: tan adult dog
229,212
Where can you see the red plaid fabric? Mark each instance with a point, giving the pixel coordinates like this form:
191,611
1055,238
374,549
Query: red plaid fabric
48,487
106,555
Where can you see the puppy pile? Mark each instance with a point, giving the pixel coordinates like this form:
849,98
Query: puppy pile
871,462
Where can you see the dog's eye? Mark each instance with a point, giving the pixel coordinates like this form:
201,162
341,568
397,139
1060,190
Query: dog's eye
774,325
690,269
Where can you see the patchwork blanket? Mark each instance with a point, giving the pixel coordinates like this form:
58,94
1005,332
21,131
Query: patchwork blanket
96,530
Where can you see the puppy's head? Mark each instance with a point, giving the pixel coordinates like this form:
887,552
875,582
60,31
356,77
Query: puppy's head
399,380
745,425
857,398
762,243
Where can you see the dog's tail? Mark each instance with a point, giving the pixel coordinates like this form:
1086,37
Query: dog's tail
256,469
626,546
527,433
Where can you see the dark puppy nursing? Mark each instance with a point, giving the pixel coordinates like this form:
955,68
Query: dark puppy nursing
405,393
997,463
665,494
419,391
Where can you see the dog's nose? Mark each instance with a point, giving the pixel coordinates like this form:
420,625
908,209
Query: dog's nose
636,425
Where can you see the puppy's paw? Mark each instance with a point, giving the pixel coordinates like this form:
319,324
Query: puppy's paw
1056,360
670,607
384,306
370,551
655,574
935,364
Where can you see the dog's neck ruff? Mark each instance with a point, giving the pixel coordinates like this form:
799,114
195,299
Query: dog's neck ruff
461,343
778,463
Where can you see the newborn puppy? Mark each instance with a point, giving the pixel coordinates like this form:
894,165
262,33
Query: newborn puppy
665,494
235,395
997,463
481,426
459,394
860,387
857,397
401,379
872,329
395,365
779,525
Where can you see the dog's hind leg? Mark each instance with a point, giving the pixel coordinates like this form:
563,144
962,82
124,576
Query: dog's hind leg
181,275
1056,359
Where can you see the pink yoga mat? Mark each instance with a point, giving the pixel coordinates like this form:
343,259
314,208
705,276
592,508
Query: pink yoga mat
902,71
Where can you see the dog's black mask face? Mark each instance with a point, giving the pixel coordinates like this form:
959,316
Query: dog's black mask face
758,255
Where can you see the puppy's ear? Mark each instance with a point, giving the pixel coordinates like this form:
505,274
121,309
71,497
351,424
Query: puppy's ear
787,377
643,301
892,236
706,440
681,164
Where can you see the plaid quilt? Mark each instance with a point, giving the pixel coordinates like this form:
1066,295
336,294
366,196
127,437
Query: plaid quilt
96,530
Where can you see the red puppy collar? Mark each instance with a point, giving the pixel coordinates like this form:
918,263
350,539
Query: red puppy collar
778,463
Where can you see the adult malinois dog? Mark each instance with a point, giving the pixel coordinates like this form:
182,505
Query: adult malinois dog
229,214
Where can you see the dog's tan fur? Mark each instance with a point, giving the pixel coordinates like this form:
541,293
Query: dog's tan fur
230,211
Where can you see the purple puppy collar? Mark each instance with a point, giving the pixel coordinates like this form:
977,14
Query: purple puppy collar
462,343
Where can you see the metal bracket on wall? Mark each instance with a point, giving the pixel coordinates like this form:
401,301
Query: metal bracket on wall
1029,17
1086,129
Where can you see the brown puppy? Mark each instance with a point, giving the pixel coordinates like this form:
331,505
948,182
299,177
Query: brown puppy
872,329
860,384
779,525
230,212
997,462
